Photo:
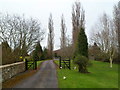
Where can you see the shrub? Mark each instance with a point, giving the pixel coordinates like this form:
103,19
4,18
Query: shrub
102,57
82,63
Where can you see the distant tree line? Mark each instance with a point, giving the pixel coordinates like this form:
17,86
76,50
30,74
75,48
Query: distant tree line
39,53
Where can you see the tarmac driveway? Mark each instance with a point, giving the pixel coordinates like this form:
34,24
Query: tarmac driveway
44,78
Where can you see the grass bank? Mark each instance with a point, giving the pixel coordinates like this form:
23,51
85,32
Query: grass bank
100,76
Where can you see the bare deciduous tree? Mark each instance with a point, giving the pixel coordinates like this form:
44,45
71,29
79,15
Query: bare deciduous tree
117,25
106,36
63,37
69,47
50,37
20,33
78,20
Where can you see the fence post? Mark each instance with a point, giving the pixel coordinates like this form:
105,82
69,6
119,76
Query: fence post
26,64
69,64
59,61
35,64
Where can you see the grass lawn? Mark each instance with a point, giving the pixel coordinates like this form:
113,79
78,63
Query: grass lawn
100,76
39,63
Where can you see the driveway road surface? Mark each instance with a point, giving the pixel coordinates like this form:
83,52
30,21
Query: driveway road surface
44,78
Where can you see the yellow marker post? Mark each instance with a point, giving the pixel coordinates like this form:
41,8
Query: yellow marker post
20,57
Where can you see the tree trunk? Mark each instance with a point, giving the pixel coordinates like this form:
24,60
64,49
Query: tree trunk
83,69
111,62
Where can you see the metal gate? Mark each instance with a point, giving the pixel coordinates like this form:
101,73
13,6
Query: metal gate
30,64
65,63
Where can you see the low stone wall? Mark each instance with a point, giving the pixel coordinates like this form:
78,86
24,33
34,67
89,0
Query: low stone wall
11,70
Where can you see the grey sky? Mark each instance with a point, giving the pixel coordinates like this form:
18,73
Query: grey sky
41,10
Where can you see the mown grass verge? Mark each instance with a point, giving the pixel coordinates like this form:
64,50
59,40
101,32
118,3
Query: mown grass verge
100,76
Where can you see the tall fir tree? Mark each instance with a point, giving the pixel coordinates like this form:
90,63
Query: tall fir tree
45,54
81,55
37,55
82,44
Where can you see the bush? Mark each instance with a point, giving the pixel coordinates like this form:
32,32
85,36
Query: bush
102,57
82,63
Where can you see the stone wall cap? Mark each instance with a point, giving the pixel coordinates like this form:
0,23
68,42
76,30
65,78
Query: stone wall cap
2,66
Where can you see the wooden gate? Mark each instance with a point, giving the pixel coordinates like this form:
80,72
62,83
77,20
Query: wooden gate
30,64
64,63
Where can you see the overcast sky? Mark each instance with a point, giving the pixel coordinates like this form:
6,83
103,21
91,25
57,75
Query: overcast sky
41,9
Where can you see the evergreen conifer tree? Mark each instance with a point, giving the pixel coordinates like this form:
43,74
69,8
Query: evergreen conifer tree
37,55
82,44
81,54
